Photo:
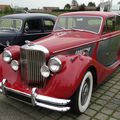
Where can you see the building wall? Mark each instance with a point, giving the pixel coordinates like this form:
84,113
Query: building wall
2,7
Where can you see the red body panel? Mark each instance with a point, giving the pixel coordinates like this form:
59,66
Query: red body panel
67,40
66,80
64,83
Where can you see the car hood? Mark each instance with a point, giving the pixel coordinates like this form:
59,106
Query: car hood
60,41
7,36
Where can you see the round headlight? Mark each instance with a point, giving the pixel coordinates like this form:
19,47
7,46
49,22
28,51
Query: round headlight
45,72
15,65
55,64
7,56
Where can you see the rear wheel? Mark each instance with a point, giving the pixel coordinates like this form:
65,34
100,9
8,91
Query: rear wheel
83,95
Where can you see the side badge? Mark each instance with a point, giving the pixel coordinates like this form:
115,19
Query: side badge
84,51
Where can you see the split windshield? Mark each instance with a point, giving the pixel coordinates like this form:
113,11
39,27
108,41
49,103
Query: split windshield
10,24
83,23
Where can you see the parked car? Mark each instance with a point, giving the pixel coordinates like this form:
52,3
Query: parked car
16,28
59,71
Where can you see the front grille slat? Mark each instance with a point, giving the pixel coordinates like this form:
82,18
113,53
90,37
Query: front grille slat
31,62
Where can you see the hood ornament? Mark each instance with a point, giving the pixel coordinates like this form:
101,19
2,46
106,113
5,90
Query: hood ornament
29,43
7,43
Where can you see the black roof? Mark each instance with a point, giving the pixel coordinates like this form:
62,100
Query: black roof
29,15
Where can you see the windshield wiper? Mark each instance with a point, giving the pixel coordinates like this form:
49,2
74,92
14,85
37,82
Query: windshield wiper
82,30
61,27
75,29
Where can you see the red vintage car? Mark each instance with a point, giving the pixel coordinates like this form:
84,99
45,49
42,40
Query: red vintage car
59,71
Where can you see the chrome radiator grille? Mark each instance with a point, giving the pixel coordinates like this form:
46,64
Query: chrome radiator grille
31,62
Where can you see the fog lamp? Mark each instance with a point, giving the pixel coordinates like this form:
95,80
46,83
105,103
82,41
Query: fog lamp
45,72
15,65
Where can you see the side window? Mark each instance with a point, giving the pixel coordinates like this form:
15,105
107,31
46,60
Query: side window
48,25
94,24
18,24
34,25
109,25
117,26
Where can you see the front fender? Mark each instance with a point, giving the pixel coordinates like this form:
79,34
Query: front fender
65,83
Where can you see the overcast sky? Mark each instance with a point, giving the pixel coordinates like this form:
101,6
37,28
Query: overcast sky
48,3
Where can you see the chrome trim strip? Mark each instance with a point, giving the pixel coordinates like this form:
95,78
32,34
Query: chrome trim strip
57,51
39,100
35,47
105,38
33,96
52,100
56,108
94,41
3,86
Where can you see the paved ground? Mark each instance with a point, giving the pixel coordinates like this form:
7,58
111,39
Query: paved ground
105,105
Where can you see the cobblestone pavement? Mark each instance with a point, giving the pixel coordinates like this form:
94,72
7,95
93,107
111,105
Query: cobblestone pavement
105,105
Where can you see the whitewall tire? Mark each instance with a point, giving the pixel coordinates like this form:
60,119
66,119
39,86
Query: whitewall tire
83,95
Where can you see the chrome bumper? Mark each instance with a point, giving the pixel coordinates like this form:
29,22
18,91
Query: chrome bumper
38,100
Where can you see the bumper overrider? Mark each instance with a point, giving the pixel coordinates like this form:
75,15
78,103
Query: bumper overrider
35,99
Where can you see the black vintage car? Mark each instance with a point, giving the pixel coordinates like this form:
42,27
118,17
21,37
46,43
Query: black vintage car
16,28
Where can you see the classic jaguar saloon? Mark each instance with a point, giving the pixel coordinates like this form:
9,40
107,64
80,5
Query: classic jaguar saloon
59,72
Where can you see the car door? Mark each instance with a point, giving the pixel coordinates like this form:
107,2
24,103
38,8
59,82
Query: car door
33,29
109,46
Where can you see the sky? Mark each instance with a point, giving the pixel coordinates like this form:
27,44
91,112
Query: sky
43,3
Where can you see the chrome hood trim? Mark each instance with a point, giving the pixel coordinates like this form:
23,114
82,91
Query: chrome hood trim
35,47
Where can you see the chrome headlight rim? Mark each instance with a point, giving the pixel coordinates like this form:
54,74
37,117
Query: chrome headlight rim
9,55
59,63
14,65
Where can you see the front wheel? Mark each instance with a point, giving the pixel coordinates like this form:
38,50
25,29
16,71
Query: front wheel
82,97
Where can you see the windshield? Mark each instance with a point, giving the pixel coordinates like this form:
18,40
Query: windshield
10,24
83,23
